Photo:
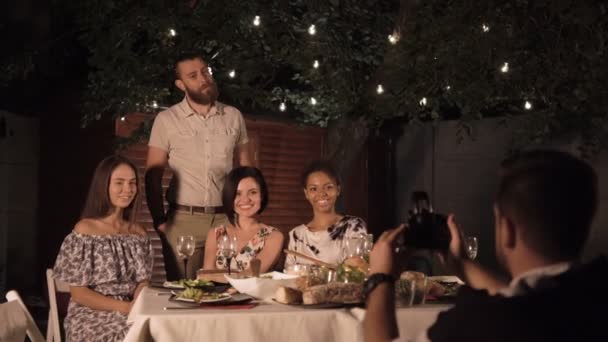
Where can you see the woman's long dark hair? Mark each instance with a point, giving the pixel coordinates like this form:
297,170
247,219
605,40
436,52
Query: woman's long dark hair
98,203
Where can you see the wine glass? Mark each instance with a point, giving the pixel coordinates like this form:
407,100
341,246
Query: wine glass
368,244
227,246
470,243
354,245
185,249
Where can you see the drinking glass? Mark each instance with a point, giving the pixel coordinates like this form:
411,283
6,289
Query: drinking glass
368,244
353,245
227,246
470,243
185,249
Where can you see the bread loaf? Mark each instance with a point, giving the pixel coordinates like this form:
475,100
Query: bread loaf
333,293
288,295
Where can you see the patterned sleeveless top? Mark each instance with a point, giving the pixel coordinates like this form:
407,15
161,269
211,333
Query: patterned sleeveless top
253,247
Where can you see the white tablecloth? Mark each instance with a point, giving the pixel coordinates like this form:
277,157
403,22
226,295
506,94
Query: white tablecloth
266,322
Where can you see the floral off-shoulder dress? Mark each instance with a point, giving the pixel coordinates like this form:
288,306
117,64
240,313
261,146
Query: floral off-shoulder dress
112,265
253,247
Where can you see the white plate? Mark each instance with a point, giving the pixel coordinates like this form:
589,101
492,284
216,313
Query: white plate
263,287
223,297
447,279
170,285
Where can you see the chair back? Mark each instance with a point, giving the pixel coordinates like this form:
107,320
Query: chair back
20,316
56,288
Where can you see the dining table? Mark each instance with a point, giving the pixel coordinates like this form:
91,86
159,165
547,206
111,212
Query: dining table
155,317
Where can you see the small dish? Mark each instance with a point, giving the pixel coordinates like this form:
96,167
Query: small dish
206,299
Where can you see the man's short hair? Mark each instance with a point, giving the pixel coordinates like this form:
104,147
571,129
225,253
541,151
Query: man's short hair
552,196
186,56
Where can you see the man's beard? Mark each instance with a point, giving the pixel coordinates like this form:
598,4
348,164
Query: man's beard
206,97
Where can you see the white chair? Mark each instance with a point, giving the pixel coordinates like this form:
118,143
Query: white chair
21,310
53,331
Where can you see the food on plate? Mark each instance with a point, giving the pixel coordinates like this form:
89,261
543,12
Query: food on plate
287,295
191,293
438,288
189,283
333,293
353,270
435,289
304,282
198,295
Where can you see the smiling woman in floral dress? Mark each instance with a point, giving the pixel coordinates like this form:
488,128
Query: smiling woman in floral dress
107,258
245,195
322,237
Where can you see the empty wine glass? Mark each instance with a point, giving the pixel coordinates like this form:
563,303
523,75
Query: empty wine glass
470,243
185,249
227,246
368,244
354,245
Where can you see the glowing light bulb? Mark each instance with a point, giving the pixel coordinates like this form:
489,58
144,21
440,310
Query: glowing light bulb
448,87
505,67
312,30
423,101
528,105
313,101
122,118
232,73
315,64
172,33
485,28
256,20
393,38
154,104
379,89
282,107
210,70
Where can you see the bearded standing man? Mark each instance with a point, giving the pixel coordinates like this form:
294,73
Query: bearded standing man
198,139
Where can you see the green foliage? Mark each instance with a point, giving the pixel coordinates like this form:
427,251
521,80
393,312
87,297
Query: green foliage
556,52
132,52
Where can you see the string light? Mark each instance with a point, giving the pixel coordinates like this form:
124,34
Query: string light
256,20
423,101
312,30
282,107
172,33
528,105
379,89
122,118
448,87
505,67
210,70
154,104
313,101
232,73
315,64
393,38
485,28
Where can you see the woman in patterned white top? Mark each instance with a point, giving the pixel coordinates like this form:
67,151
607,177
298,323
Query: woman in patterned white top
107,258
322,237
245,195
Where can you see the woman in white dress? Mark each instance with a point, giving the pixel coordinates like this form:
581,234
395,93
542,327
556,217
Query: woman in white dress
321,238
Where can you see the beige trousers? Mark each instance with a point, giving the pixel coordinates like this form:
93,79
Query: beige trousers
197,225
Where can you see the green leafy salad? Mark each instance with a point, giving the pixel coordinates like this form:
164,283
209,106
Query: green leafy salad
191,283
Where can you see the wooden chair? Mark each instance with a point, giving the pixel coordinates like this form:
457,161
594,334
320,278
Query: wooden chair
57,288
20,315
